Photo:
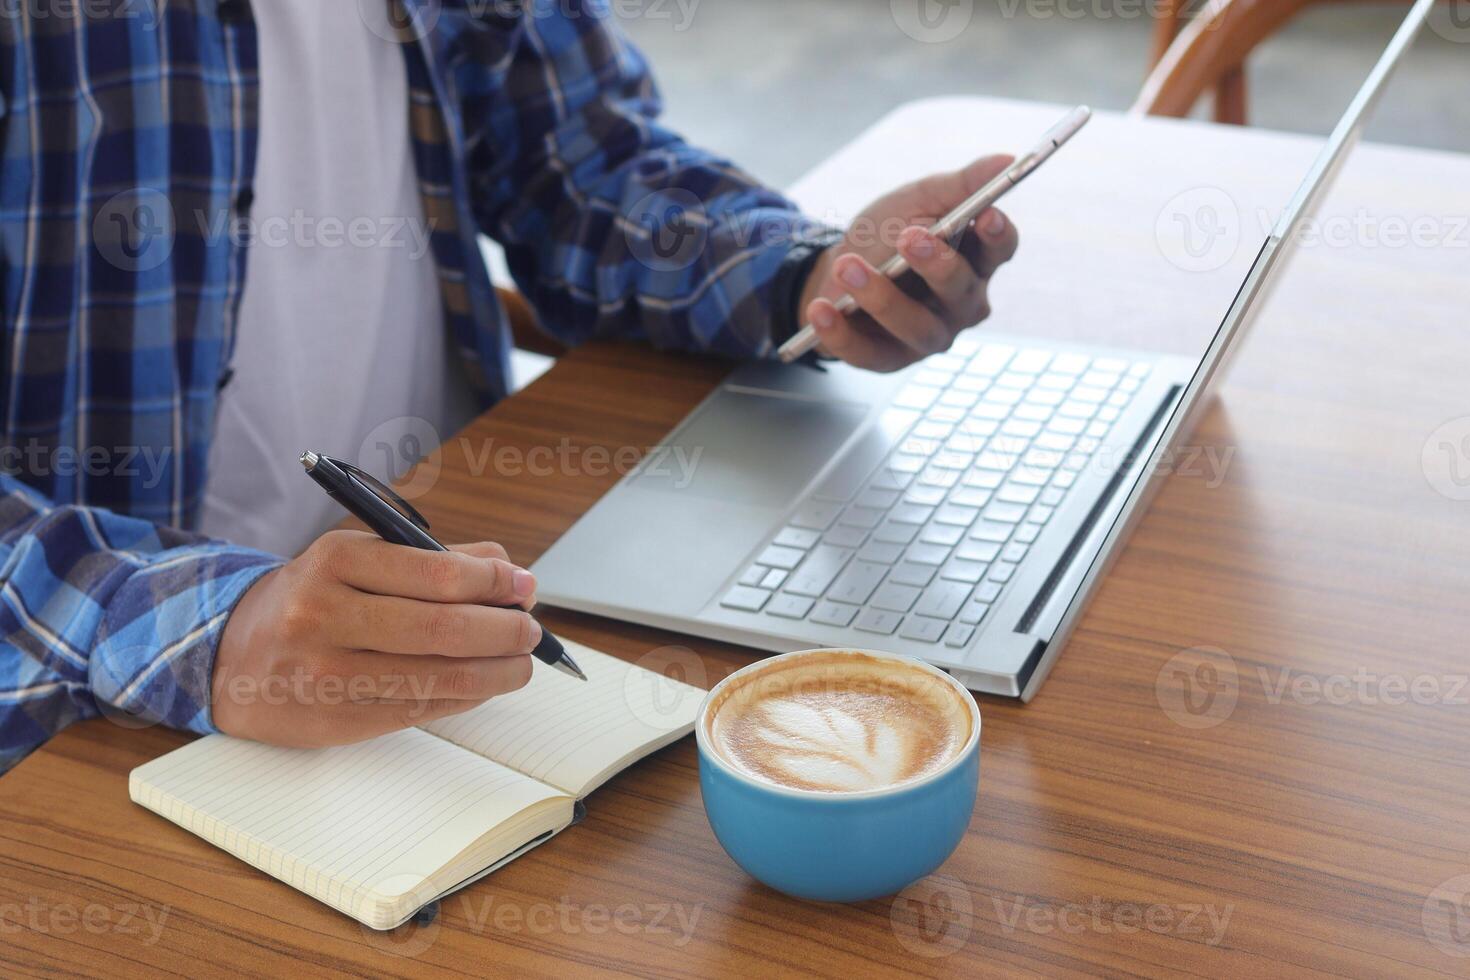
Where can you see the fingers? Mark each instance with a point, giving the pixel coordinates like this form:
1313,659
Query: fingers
843,339
476,573
940,193
365,676
954,285
913,324
390,624
997,241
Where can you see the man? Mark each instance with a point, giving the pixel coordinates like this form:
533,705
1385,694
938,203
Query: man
158,385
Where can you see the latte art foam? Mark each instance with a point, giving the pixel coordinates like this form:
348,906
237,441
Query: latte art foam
840,722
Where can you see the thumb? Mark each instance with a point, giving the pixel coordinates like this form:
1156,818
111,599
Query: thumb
941,193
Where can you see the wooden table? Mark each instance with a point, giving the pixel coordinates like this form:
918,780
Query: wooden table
1313,823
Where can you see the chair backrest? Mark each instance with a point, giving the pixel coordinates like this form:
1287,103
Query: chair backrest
1207,52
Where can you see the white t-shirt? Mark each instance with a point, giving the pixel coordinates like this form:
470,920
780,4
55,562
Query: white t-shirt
341,345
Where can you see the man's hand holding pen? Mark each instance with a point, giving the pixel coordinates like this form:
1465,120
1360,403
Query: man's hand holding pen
358,637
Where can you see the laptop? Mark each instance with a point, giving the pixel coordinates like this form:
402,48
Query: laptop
962,511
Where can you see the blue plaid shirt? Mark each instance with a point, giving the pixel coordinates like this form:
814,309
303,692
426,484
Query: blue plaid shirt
129,138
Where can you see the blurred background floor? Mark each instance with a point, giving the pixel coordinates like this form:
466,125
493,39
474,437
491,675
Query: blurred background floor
777,85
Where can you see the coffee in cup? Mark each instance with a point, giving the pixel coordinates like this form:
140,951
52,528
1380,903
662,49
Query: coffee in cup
839,775
839,722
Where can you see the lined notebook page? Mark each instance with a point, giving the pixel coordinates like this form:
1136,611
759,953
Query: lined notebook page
354,826
575,734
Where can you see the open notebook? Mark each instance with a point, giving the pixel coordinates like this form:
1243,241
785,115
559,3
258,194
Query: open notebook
379,829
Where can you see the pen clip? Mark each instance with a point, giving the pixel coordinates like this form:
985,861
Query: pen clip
383,490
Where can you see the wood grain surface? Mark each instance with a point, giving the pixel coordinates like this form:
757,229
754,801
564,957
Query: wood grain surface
1309,819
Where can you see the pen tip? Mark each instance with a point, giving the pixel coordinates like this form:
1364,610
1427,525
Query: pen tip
308,460
569,666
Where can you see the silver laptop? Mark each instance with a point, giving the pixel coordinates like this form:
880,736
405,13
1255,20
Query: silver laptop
962,511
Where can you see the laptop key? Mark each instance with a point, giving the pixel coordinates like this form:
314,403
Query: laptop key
990,531
969,497
868,517
789,606
895,533
916,396
1005,513
754,575
796,537
945,534
960,516
1027,533
857,582
779,557
877,499
923,630
910,513
1014,552
942,599
958,635
878,621
911,573
1001,571
1070,363
894,598
816,573
938,476
963,571
881,552
744,597
773,579
1018,493
924,495
890,479
846,536
927,554
973,612
981,551
833,613
817,515
991,359
982,479
987,592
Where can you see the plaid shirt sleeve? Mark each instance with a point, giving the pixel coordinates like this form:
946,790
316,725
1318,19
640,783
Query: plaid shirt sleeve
612,224
105,614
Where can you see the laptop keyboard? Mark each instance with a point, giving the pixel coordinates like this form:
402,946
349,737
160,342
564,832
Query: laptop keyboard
924,521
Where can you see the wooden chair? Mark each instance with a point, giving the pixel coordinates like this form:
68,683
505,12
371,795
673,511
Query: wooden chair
1207,52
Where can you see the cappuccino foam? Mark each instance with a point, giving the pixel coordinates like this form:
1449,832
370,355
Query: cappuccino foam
839,722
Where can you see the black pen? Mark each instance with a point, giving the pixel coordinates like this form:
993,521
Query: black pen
395,521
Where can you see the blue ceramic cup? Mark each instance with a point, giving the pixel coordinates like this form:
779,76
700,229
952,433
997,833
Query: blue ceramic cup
837,846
